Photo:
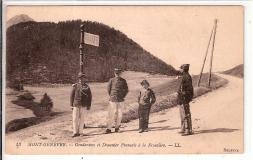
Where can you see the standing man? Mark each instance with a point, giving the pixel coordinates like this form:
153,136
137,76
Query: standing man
146,99
80,100
117,90
185,95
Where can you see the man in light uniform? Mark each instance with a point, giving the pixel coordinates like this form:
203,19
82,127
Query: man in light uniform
80,100
117,90
185,95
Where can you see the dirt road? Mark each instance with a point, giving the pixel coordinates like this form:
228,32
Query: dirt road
217,123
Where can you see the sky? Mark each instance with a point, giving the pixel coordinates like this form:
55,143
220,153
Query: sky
175,34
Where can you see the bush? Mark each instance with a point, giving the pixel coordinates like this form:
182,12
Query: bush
26,96
45,106
16,85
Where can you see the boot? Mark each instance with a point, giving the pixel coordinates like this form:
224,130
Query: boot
187,133
108,131
141,131
116,129
75,135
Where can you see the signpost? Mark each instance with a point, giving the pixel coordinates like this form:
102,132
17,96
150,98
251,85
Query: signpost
86,38
91,39
81,47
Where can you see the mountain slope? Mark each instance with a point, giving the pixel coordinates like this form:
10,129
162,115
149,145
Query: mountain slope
18,19
49,52
237,71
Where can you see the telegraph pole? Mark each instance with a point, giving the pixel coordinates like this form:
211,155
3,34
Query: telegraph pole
81,47
203,65
211,61
212,38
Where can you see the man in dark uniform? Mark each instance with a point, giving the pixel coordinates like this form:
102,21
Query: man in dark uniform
117,90
80,98
185,95
146,99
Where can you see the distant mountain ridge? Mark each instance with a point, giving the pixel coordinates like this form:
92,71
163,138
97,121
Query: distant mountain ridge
237,71
18,19
49,52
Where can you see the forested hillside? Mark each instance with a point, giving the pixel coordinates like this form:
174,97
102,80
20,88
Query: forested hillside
49,52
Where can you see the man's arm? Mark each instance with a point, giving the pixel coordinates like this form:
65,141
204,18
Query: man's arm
180,85
125,88
109,86
90,99
139,97
72,95
183,84
153,98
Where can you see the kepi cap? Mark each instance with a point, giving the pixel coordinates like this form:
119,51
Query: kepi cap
185,66
117,70
80,75
144,82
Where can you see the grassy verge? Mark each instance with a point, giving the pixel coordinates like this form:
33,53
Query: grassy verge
18,124
170,100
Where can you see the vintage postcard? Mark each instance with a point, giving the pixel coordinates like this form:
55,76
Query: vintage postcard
135,79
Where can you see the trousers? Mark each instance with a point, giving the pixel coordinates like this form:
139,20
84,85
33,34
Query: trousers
79,114
143,112
114,114
185,115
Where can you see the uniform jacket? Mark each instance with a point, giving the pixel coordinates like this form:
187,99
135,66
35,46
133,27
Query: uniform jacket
146,98
117,89
185,92
81,95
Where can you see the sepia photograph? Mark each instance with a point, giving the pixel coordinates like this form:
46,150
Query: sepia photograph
124,79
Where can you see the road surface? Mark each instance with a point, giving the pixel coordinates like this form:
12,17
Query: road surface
217,119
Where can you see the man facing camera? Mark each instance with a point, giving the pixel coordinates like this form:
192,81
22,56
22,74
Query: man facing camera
117,90
80,101
146,99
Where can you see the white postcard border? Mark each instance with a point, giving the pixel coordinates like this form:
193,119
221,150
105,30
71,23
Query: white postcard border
248,87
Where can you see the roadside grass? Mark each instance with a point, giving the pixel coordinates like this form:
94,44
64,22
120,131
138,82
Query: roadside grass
42,111
21,123
170,100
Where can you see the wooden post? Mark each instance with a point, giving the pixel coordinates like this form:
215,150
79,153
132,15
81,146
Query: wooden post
81,47
211,60
203,65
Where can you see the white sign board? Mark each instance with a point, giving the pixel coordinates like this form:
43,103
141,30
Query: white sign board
91,39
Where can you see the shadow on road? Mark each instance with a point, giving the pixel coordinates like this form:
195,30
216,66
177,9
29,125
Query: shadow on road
221,130
162,128
161,121
151,129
